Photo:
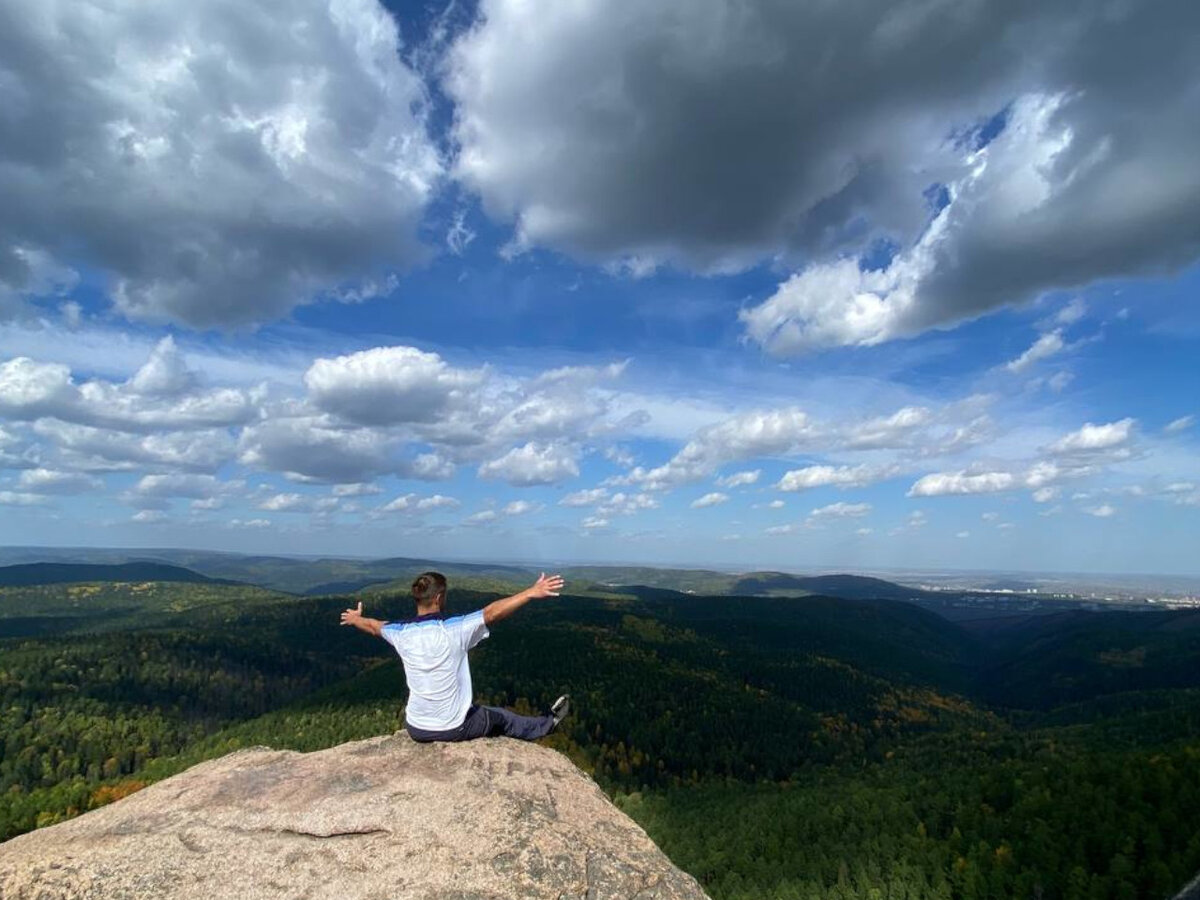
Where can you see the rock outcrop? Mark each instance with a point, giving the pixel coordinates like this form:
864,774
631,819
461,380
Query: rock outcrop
383,818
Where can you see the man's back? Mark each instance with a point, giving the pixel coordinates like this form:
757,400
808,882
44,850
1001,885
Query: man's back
434,649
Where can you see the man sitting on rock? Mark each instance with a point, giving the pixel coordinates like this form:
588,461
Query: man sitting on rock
433,648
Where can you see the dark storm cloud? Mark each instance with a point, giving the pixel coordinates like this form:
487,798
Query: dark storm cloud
713,135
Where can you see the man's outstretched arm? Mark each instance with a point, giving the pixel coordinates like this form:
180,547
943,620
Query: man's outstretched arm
362,623
545,586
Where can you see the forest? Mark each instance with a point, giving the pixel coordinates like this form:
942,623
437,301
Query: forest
810,747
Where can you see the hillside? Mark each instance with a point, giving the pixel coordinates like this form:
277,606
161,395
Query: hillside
30,574
849,586
378,818
773,746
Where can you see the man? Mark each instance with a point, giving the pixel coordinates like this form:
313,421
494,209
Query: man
433,648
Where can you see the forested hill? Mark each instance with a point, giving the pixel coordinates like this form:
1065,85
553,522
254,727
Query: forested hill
853,587
31,574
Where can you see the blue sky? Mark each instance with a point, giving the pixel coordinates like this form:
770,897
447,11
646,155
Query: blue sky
611,282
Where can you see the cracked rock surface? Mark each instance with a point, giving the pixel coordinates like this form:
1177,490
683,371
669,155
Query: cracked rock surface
381,819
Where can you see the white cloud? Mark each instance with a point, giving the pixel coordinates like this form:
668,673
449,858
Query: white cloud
743,436
625,504
592,522
739,479
895,430
400,504
712,499
1183,423
436,501
780,529
940,483
165,373
21,498
147,516
298,503
388,385
837,476
776,504
480,518
1071,313
521,507
990,516
97,449
1092,438
49,481
429,467
1046,494
31,390
249,523
226,161
1044,347
533,464
1103,511
584,497
191,486
841,511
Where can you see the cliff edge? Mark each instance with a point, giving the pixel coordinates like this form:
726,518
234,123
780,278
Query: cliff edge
382,818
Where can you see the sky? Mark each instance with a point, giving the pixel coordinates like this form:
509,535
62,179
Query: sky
870,285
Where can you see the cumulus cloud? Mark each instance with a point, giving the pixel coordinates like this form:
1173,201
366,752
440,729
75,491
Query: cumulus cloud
165,373
98,449
1092,438
387,386
839,476
520,507
480,518
625,504
31,390
939,483
713,499
743,436
175,485
1103,511
1060,137
1046,494
314,449
739,479
219,163
592,522
436,501
50,481
533,464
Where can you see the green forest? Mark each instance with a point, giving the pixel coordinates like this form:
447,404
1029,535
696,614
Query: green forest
774,747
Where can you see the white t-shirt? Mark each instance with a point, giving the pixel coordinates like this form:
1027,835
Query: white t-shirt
434,649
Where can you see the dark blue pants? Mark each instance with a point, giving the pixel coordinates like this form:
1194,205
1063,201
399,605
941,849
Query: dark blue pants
489,721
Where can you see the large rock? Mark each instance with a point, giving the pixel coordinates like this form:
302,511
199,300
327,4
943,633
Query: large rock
381,818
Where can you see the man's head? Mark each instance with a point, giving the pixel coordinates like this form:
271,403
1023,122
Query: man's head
429,590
